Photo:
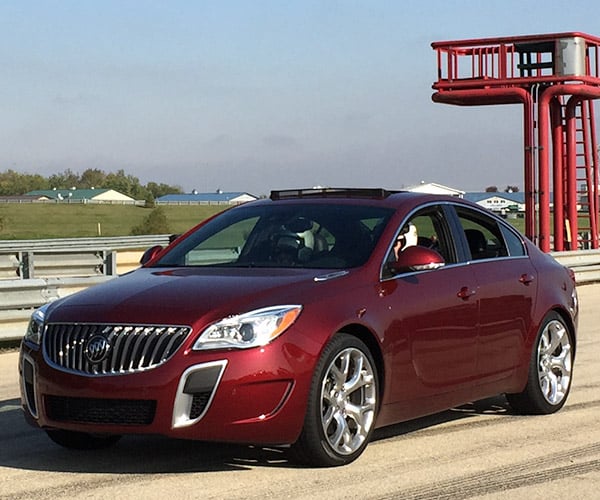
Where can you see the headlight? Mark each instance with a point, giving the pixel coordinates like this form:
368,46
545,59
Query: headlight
252,329
36,326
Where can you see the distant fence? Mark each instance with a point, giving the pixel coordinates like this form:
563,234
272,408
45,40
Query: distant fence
69,201
198,202
35,272
139,203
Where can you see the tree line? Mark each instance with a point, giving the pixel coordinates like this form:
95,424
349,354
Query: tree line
15,183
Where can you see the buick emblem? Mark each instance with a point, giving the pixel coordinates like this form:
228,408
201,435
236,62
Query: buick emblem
97,349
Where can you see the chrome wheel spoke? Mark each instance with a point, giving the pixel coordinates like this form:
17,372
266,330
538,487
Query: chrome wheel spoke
562,362
341,436
556,334
354,379
328,416
550,386
338,374
359,413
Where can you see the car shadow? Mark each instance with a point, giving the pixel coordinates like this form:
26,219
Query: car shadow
432,424
27,448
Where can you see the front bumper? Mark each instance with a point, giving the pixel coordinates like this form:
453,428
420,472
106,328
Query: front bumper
255,396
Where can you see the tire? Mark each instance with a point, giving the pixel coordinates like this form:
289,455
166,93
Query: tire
550,370
81,440
342,405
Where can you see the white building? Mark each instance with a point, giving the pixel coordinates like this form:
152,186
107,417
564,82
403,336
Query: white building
499,202
433,188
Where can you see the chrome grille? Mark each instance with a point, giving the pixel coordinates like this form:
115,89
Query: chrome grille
110,349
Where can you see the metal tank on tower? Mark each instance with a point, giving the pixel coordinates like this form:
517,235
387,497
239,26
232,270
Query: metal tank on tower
556,78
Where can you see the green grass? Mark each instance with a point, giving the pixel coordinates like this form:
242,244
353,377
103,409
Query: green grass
518,223
38,221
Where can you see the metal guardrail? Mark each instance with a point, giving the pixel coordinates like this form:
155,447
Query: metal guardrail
74,263
585,263
80,244
21,297
35,272
75,257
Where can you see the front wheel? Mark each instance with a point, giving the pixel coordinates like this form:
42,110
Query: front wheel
81,440
342,405
550,370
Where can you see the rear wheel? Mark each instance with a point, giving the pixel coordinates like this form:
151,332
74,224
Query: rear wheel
342,405
550,370
81,440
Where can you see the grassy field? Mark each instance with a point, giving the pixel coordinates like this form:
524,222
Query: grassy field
37,221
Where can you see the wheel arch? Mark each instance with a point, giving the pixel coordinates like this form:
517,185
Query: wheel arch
568,319
369,339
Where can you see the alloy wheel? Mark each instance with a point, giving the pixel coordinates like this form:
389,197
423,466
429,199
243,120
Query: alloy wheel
554,356
348,399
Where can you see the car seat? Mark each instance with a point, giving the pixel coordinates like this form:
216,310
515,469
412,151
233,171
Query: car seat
477,243
320,244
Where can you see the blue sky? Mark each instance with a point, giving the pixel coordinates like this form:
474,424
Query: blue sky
258,95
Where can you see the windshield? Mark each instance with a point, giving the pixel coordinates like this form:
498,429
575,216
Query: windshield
306,236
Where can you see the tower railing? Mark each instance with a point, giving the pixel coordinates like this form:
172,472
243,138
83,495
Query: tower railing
520,60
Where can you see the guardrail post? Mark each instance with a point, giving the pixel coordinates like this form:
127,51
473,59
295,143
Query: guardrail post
27,265
110,263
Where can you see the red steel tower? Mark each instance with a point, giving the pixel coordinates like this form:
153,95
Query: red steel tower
555,77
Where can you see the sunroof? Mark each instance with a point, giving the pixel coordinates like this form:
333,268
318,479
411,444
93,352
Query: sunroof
377,193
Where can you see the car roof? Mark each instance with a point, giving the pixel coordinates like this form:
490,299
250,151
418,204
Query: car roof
366,196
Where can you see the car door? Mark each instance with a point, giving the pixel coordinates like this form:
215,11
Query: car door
434,331
506,289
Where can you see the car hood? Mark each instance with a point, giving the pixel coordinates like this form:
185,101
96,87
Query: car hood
183,296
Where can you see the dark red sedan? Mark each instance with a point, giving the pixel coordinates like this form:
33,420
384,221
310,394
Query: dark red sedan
308,319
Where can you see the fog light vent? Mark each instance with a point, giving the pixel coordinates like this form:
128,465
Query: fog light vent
195,393
199,402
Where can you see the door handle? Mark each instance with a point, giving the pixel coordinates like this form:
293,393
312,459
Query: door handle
465,292
526,279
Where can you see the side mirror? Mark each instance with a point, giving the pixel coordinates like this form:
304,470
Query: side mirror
149,254
417,258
